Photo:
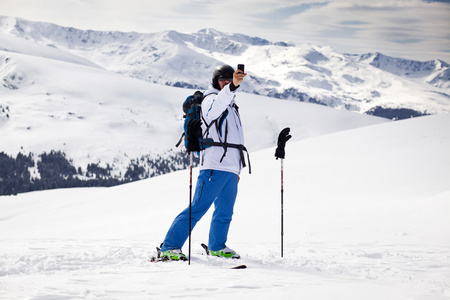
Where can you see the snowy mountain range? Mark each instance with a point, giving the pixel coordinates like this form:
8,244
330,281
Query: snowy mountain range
366,199
369,83
89,106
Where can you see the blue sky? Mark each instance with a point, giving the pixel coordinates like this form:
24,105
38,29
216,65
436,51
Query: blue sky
415,29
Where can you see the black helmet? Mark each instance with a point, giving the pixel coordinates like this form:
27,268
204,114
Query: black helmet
223,71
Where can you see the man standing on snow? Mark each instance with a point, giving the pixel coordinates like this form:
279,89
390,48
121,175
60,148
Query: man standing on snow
220,166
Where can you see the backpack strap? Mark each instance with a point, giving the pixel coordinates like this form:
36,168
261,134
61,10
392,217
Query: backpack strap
180,140
241,149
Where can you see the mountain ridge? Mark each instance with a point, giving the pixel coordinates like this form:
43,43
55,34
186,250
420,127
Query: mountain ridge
308,73
82,108
66,123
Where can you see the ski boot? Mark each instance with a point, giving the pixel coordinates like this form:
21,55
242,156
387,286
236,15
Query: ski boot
174,254
225,252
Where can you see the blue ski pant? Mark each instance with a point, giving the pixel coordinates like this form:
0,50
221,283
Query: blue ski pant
213,186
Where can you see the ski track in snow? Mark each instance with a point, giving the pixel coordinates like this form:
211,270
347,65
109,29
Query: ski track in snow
113,269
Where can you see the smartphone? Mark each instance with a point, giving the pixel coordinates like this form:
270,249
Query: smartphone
241,67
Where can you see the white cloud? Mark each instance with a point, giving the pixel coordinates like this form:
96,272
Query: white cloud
395,27
410,28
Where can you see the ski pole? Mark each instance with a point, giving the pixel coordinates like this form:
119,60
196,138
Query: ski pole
282,215
194,132
190,204
283,137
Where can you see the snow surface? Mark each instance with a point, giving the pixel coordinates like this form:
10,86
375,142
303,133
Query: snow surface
366,216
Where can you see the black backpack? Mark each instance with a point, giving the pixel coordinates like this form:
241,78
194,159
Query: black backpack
192,111
192,108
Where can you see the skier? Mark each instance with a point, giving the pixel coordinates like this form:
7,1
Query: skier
220,167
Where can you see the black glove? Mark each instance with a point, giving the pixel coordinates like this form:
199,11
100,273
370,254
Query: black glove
194,133
283,137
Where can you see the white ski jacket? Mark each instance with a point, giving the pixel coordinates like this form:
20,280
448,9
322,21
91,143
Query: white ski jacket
214,105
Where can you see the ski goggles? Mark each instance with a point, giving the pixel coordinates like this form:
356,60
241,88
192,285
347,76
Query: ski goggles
225,79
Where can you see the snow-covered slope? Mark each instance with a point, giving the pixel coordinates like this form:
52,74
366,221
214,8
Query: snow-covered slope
52,101
371,83
366,216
